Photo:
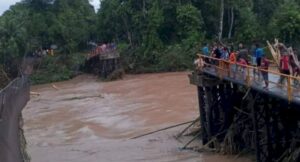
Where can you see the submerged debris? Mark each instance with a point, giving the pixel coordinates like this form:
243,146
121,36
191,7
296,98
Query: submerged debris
82,97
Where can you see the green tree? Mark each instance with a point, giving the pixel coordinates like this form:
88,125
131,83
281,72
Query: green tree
285,23
152,34
13,36
73,24
189,24
264,10
247,28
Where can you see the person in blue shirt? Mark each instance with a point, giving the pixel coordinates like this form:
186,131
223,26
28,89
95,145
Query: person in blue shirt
205,50
259,52
253,54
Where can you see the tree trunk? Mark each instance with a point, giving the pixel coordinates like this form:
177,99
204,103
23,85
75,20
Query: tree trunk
127,31
221,20
228,18
144,8
231,22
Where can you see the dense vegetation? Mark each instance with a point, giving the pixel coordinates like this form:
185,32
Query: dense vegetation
152,35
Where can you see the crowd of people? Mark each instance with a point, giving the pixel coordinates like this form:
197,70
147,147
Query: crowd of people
42,52
236,61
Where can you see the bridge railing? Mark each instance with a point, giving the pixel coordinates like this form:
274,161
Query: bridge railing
100,51
248,75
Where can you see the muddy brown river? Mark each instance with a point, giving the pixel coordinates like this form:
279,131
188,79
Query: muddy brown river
85,120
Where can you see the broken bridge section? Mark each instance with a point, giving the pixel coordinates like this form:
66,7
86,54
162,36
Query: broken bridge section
105,63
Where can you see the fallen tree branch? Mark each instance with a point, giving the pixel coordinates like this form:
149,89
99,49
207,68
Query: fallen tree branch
55,87
241,111
82,97
34,93
247,93
201,149
5,74
213,139
193,132
181,133
177,125
185,146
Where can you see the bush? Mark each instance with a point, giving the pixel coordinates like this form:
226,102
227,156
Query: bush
57,68
176,57
4,79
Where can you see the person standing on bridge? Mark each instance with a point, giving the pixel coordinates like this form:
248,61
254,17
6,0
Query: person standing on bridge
242,53
199,63
232,60
216,53
265,67
205,52
225,53
284,67
225,64
259,52
243,63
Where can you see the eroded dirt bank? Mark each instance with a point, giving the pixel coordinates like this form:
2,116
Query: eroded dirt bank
85,120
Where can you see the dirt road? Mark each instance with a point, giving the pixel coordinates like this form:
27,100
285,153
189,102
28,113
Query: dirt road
85,120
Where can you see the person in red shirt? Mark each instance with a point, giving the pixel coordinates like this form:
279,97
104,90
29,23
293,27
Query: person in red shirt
284,67
265,66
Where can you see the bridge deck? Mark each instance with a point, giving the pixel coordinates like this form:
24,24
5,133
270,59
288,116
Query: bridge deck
289,91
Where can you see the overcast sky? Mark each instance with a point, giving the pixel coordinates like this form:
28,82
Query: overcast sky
4,4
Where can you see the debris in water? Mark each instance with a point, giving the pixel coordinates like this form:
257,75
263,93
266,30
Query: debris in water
34,93
55,87
82,97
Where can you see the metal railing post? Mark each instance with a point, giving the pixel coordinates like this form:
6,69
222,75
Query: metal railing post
248,77
221,68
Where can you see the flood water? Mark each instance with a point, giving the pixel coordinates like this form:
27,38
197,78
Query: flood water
85,120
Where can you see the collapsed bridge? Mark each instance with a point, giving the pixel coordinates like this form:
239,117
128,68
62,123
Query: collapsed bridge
105,62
